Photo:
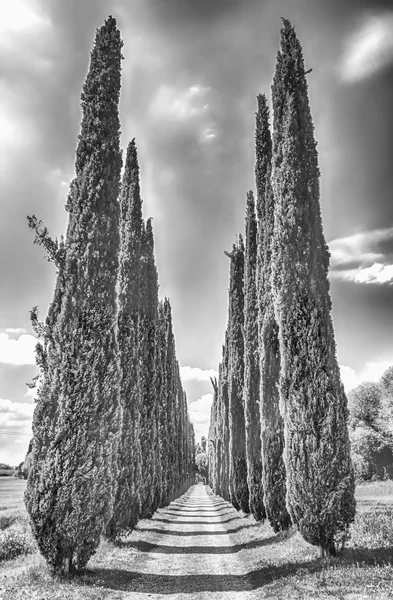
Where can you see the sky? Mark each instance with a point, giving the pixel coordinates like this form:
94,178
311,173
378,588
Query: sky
190,77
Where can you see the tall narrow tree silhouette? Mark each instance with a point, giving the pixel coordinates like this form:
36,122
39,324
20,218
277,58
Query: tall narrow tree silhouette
320,481
127,503
72,482
251,367
272,426
237,437
147,362
213,438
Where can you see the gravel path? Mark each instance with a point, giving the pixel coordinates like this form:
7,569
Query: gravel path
187,553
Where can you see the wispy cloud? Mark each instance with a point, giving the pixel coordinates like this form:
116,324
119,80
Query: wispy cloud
197,374
369,48
365,257
200,415
17,351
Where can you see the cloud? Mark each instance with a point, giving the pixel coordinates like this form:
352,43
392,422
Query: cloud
17,330
200,415
16,416
19,351
373,371
179,104
349,378
208,134
17,16
365,257
369,48
377,273
195,373
15,425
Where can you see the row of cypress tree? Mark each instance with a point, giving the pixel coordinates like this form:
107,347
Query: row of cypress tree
112,436
278,437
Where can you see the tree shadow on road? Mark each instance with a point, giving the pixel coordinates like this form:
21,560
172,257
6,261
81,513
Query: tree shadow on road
196,533
199,522
128,580
144,546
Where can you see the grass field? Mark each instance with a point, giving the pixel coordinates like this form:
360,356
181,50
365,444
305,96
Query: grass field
275,567
7,472
11,493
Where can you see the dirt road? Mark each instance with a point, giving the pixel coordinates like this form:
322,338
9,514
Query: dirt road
187,551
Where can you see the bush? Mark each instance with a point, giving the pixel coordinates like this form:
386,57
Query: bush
7,520
14,542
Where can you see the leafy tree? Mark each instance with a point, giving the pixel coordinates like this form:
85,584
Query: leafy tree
320,480
272,425
371,436
365,403
201,463
237,437
387,382
251,367
72,481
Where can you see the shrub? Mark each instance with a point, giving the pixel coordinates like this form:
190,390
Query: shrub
7,520
15,541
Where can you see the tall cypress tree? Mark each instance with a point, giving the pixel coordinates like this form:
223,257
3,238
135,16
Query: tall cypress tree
162,398
237,437
170,388
127,502
251,367
224,435
320,481
72,483
272,425
147,358
213,438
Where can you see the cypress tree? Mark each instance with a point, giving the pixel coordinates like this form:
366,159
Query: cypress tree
251,367
163,398
237,437
320,480
72,483
127,502
213,438
272,425
169,403
223,467
177,390
147,358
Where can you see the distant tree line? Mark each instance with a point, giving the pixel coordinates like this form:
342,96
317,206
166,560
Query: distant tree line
278,439
112,436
